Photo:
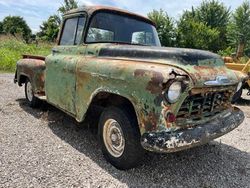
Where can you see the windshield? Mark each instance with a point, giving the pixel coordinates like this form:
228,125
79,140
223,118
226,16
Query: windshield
114,28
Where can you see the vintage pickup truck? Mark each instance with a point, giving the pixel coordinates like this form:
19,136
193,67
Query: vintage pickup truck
151,97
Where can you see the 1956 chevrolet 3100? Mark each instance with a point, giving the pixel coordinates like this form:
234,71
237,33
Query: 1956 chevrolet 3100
151,97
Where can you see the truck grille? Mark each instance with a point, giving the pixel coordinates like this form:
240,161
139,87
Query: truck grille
199,106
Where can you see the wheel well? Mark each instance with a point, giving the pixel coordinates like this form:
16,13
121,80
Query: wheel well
245,85
22,80
105,99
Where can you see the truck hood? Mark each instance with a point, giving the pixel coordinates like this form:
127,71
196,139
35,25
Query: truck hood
205,68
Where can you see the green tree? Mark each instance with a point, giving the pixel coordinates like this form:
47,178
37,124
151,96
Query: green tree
68,5
49,29
239,28
16,25
1,27
212,17
164,26
193,34
215,15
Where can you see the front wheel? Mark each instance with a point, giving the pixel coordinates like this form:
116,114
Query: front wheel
29,94
120,138
237,96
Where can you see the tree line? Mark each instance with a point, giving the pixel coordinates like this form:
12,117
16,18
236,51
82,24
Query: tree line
17,26
210,26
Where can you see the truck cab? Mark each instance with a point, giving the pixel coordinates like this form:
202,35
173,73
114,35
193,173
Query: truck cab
151,97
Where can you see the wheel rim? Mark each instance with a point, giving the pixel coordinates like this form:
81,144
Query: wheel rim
113,138
29,91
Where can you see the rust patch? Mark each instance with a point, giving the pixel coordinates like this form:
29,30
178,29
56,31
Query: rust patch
195,91
150,123
34,69
155,84
28,56
92,9
208,73
166,110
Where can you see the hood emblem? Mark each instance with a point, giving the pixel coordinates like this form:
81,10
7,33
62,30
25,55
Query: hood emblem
220,80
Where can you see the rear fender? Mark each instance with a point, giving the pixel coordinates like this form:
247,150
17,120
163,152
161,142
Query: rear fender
33,69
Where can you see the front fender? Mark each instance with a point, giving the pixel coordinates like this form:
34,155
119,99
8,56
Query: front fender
148,117
242,77
142,83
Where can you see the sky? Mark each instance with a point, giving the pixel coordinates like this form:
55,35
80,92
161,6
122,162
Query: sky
37,11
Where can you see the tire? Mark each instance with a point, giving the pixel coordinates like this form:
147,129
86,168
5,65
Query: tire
237,96
33,101
128,152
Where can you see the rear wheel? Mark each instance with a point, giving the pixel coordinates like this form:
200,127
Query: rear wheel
120,138
29,94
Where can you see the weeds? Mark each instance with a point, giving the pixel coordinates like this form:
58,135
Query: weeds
12,49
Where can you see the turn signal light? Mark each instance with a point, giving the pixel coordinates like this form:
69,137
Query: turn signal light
170,117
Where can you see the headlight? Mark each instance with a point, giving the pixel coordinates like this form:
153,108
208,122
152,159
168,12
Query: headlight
174,91
239,86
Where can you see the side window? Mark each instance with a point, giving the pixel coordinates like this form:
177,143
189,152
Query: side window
72,31
80,28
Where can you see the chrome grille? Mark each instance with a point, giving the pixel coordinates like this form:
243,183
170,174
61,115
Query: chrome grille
199,106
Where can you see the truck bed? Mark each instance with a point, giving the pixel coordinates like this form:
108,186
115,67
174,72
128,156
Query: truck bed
29,56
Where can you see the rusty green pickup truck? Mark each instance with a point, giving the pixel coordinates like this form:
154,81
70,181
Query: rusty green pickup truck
150,97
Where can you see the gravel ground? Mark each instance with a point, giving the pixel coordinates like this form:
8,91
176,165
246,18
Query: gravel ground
45,148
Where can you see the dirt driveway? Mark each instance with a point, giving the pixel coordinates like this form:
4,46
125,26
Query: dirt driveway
45,148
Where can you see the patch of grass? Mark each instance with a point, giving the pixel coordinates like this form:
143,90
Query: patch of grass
12,49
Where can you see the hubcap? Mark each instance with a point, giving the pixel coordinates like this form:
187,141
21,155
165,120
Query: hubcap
113,138
29,91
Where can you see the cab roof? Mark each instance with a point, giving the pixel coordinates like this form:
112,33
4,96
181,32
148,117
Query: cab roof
92,9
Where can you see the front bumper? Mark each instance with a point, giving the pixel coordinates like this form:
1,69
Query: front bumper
167,142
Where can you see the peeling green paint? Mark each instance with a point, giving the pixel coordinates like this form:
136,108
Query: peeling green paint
75,75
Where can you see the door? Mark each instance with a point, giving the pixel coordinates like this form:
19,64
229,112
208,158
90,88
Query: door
60,81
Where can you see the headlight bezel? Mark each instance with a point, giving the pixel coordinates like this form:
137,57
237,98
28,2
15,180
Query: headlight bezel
167,94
